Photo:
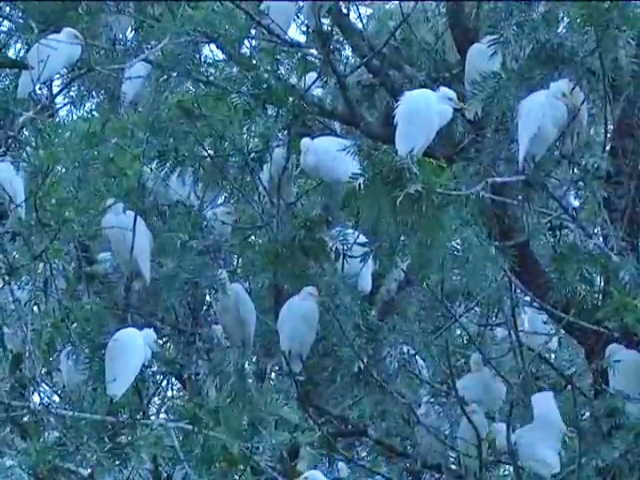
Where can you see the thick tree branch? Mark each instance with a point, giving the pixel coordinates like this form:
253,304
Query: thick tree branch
464,31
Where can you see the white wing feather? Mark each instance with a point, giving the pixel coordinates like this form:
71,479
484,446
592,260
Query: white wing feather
124,358
329,159
133,82
481,60
353,247
297,328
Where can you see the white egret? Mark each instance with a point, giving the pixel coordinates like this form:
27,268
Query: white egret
330,159
623,368
312,83
12,196
467,440
218,334
131,250
543,116
276,177
281,14
419,116
353,257
222,219
48,57
127,351
499,433
483,59
482,386
298,325
72,368
236,313
134,82
539,443
536,331
312,475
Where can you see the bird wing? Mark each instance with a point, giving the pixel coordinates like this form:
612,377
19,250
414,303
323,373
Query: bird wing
413,117
123,360
298,325
335,160
531,115
133,81
247,313
143,244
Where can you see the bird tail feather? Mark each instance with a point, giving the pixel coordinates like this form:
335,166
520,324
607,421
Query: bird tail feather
25,84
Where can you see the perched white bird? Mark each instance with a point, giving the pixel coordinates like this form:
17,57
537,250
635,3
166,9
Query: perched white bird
222,219
276,177
236,313
419,116
127,350
467,441
329,159
482,386
281,13
131,250
483,59
353,257
298,325
623,368
543,116
499,434
48,57
12,196
72,368
539,443
134,82
312,83
312,475
536,331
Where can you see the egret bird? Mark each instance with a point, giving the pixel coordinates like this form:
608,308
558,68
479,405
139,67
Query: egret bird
468,443
276,177
134,82
131,250
222,219
623,368
236,314
482,386
330,159
72,368
535,330
544,115
353,257
281,13
127,350
483,59
419,116
48,57
312,83
539,443
499,433
312,475
12,196
298,325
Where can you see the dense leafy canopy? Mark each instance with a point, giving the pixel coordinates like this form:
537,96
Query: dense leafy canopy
224,90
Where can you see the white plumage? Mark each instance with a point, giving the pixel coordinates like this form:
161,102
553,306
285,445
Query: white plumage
535,330
12,194
419,116
134,82
236,313
543,116
343,470
499,434
312,475
467,441
353,257
72,368
281,13
623,368
312,83
483,59
48,57
276,177
117,226
539,443
482,386
298,325
127,351
329,158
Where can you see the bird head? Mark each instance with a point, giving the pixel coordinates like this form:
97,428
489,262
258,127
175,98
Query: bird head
226,214
563,90
611,352
312,475
305,145
150,338
449,97
311,292
475,362
72,35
